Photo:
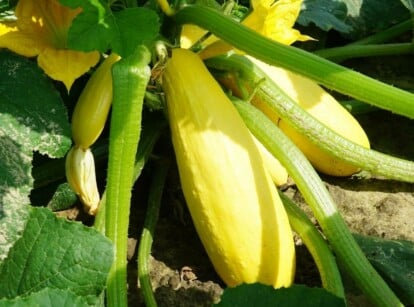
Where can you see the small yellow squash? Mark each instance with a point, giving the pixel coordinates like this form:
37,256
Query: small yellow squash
92,108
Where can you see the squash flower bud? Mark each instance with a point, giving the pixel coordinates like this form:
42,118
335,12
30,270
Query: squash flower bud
80,174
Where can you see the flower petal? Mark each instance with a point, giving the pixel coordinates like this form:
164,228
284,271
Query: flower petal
28,45
66,65
275,20
48,18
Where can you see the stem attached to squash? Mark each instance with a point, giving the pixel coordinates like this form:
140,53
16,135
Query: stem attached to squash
130,78
154,124
386,35
330,74
355,51
321,203
325,138
317,246
145,244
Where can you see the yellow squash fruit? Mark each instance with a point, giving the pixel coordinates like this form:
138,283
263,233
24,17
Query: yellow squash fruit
190,34
92,108
276,170
322,106
234,205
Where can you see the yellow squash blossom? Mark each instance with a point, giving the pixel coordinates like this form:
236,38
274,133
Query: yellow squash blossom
275,19
271,18
41,30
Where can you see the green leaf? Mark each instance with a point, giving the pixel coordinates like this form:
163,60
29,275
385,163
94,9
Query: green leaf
92,29
15,184
325,14
294,296
32,112
32,117
63,198
98,28
45,298
134,26
394,260
56,253
369,16
354,18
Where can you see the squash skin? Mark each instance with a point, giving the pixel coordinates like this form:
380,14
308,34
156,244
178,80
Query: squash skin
92,108
321,105
235,208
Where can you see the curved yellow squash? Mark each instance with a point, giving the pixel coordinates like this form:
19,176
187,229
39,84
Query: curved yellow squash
91,110
234,206
321,105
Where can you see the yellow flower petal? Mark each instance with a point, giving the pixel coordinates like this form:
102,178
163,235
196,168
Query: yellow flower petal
41,29
47,18
275,19
66,65
28,45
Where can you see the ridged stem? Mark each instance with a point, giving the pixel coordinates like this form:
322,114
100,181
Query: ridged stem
145,244
321,203
317,246
130,78
355,51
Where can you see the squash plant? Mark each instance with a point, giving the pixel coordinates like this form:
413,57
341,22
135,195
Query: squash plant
126,55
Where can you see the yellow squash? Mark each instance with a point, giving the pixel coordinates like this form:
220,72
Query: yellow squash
321,105
234,205
92,108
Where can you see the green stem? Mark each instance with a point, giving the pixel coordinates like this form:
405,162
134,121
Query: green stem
321,203
145,244
130,78
356,107
330,74
154,124
355,51
317,246
386,35
325,138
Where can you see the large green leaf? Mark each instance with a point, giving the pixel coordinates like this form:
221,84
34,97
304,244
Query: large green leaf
354,18
394,260
325,14
55,253
31,110
46,298
98,28
248,295
32,118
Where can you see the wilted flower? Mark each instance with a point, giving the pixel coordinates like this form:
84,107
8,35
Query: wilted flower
41,29
80,174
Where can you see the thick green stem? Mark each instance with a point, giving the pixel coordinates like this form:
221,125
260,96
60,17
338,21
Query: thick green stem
145,244
154,124
317,246
326,139
130,78
321,203
330,74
